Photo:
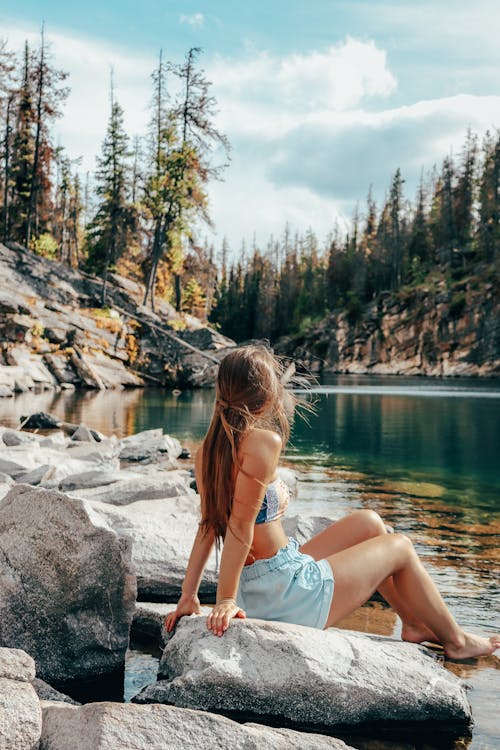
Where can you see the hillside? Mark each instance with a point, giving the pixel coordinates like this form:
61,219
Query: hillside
53,332
441,327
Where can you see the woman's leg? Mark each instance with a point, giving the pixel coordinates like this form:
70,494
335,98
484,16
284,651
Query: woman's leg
358,571
354,529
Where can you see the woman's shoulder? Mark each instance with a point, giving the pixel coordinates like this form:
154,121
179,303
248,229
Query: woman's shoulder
261,443
259,453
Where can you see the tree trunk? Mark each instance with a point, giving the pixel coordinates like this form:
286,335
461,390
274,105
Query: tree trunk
36,157
154,266
178,294
5,211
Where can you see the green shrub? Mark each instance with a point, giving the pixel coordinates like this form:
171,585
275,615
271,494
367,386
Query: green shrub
45,245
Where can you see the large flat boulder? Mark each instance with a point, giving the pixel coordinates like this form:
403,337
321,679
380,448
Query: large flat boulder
67,587
20,712
162,533
113,726
306,676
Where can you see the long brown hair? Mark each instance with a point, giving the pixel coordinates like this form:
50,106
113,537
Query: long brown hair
249,392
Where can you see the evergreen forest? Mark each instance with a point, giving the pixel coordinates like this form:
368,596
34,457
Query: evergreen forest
144,213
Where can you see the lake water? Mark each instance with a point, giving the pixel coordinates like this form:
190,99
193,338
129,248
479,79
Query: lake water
423,453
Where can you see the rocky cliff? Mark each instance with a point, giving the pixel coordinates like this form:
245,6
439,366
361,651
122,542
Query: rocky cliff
439,328
54,333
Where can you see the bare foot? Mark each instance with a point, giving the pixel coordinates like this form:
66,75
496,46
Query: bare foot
418,633
472,645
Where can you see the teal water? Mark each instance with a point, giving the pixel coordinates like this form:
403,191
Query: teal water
423,453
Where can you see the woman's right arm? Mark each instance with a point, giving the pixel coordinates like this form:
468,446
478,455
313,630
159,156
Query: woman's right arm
189,602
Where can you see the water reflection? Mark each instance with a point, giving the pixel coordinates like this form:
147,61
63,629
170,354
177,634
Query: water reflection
429,466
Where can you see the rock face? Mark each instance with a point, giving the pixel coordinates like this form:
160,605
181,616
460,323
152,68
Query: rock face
418,332
54,334
307,676
20,712
162,533
67,588
111,726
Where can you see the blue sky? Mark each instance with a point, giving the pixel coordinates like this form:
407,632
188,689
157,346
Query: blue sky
319,99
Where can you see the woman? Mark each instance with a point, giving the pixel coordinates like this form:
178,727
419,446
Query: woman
261,570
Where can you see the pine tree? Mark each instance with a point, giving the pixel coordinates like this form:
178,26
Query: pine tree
109,231
181,138
7,108
19,173
397,253
465,195
48,96
489,198
419,244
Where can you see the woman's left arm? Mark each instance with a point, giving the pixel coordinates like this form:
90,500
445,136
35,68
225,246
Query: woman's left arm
260,459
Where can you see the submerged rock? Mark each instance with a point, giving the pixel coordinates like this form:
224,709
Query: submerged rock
307,676
20,711
113,726
67,588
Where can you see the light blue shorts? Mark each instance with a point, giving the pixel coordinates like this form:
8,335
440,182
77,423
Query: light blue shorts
289,587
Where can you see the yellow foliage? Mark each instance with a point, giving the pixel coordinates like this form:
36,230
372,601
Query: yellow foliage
113,326
177,324
132,345
37,329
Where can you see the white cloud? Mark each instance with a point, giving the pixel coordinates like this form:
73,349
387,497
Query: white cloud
340,157
195,19
338,79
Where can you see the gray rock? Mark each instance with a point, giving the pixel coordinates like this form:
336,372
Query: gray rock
5,484
67,589
148,446
12,468
162,533
127,490
15,437
308,676
20,711
115,726
46,692
35,476
149,621
16,461
83,434
303,528
4,489
16,664
89,479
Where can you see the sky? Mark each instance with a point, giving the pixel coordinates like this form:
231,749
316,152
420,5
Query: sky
319,99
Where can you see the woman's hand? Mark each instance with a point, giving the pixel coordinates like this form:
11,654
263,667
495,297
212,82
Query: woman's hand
188,604
221,614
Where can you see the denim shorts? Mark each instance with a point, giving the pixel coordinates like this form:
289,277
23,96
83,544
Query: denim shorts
289,587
